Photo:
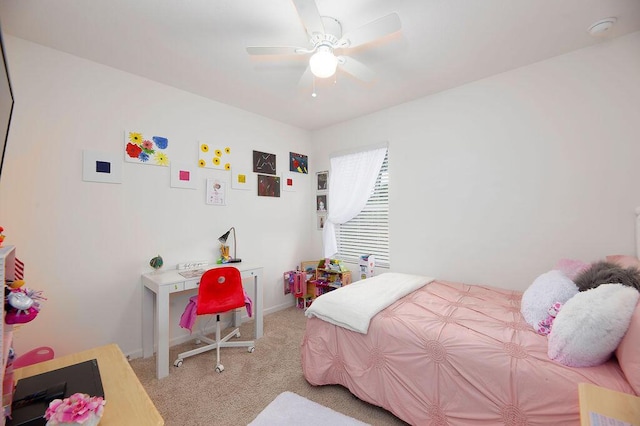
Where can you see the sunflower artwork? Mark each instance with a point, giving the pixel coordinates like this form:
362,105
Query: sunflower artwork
145,148
213,157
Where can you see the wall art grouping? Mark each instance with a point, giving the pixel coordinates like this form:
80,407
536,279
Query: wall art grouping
151,148
322,206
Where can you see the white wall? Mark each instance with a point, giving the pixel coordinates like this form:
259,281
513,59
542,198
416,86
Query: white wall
494,181
85,244
491,183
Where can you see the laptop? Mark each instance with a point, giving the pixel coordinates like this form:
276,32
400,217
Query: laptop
33,394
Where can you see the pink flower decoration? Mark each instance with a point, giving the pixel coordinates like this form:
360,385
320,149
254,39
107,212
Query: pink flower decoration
78,408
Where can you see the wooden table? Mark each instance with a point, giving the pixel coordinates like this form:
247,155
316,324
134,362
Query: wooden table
617,405
127,401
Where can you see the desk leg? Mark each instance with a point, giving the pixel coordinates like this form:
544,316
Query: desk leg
148,299
258,305
162,332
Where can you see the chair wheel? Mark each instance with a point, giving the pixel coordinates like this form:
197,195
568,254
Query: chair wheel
250,349
219,368
178,362
238,335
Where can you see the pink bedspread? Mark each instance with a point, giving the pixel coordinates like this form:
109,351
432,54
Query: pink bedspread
454,354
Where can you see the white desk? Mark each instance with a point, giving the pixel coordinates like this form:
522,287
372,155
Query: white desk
158,286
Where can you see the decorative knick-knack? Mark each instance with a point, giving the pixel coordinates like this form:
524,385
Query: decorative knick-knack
156,263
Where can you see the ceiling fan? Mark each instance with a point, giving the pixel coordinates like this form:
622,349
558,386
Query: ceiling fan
325,38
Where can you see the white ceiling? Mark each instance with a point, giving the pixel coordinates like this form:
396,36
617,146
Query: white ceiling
199,45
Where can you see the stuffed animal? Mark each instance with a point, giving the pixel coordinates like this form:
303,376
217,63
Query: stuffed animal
544,326
22,305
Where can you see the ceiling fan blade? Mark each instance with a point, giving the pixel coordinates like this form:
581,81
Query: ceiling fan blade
356,69
273,50
310,17
373,30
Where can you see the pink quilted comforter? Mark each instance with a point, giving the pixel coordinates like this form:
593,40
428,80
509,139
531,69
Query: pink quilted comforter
453,354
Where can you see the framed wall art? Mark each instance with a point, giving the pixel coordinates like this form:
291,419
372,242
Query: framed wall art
240,179
264,163
322,181
101,167
183,175
268,186
298,163
321,219
214,156
289,181
146,148
321,203
216,192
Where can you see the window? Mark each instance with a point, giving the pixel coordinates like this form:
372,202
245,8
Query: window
368,232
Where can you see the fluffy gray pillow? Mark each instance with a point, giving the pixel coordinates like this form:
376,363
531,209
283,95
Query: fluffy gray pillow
605,273
548,288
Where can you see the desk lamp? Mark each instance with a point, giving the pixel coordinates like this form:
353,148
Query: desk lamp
223,240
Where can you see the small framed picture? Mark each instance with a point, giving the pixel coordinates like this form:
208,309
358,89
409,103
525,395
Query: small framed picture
322,180
321,203
321,220
101,167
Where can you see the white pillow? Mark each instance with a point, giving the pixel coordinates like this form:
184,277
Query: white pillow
548,288
591,324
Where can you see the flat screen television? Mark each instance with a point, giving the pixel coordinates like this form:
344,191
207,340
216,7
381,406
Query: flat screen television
6,104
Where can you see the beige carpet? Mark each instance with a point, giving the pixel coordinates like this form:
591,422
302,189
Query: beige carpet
195,394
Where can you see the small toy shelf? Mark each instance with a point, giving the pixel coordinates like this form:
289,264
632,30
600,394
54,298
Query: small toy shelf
313,279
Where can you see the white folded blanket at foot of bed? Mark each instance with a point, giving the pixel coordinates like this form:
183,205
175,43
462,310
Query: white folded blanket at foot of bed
353,306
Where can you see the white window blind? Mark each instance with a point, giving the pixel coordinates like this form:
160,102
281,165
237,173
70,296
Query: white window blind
368,232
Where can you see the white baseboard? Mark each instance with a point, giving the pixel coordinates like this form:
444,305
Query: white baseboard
210,329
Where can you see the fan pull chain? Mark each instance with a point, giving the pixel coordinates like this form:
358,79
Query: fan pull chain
314,94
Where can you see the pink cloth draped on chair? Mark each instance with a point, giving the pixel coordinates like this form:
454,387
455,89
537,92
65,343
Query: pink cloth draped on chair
188,318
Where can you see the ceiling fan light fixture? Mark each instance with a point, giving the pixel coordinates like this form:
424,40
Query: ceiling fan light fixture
323,63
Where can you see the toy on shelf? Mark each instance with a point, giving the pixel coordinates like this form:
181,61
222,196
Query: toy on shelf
367,265
1,235
22,304
296,282
314,278
224,254
334,265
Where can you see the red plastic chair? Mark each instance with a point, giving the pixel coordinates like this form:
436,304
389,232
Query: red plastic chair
34,356
220,291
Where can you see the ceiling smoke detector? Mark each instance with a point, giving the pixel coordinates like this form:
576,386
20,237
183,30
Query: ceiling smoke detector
602,27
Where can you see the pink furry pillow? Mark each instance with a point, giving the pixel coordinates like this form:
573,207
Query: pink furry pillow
628,352
571,267
624,261
589,327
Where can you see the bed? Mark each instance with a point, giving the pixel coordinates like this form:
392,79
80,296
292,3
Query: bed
448,353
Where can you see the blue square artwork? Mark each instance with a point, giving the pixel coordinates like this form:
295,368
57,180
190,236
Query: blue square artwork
103,167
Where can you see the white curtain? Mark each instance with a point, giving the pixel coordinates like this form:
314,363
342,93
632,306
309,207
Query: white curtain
351,180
